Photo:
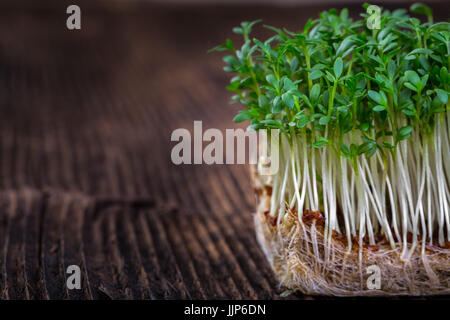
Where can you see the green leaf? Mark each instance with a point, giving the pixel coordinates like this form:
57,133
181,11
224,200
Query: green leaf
363,148
379,108
442,95
375,96
345,150
423,81
404,133
238,30
330,77
227,46
364,126
322,108
242,116
444,75
263,102
288,84
294,64
383,98
420,51
409,112
316,74
371,152
247,26
391,68
275,123
410,86
399,73
338,67
320,143
315,92
345,45
420,8
306,100
354,149
387,145
302,121
272,80
277,106
288,99
324,120
413,77
231,60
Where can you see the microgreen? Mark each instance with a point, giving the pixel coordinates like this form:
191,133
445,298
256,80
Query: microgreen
378,98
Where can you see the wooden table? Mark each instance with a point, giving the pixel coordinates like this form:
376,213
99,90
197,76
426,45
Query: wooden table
85,171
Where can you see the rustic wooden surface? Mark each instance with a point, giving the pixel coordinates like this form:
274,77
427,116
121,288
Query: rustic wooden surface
85,170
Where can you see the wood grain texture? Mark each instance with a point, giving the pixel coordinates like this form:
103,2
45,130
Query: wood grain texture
85,170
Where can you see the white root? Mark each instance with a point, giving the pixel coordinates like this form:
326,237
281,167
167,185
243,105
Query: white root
403,195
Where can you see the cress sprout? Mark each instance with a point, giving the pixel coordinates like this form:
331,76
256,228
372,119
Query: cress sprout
364,120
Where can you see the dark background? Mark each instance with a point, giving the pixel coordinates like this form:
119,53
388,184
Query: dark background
85,170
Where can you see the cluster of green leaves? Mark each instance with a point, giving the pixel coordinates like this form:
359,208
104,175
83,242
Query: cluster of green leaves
337,78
